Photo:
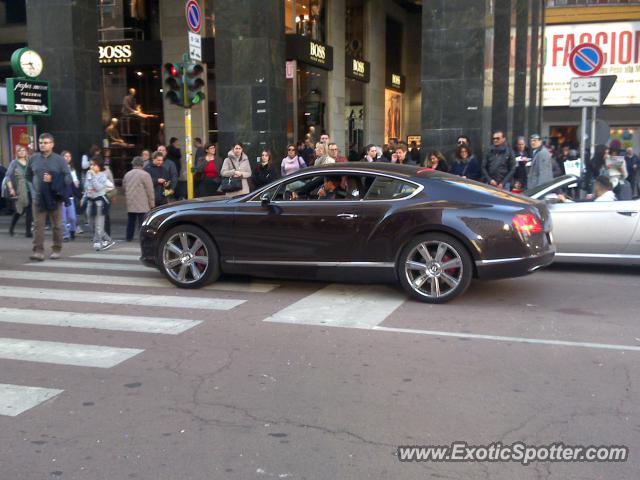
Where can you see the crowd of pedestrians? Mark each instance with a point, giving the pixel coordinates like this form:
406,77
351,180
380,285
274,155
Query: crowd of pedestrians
46,190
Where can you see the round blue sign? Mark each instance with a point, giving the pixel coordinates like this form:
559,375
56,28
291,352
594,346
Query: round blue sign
586,59
192,12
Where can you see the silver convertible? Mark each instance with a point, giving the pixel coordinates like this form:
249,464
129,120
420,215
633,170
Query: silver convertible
591,232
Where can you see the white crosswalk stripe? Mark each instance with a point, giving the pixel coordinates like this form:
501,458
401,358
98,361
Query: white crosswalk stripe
97,356
125,267
156,281
120,298
16,399
108,256
99,321
353,306
126,249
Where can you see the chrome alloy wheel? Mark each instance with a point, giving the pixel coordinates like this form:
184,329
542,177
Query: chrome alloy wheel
185,257
434,269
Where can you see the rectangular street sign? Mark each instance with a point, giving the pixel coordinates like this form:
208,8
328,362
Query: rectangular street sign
579,99
585,84
195,46
28,97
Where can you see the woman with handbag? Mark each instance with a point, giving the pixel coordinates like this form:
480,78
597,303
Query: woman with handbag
235,171
206,175
19,190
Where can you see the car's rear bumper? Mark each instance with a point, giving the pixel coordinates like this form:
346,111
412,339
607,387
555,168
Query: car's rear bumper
513,267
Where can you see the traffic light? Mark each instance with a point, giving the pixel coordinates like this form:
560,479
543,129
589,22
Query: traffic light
173,81
194,83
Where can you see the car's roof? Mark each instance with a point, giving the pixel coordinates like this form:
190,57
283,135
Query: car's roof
378,167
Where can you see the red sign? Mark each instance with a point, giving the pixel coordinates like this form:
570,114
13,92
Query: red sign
586,59
19,136
194,16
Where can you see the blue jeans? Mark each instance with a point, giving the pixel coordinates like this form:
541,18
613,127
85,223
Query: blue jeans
69,218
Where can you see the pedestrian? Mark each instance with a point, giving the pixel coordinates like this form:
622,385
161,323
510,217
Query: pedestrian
334,153
414,154
558,161
236,166
401,154
69,217
146,157
354,156
19,190
172,173
206,174
139,194
96,186
159,178
265,173
292,162
540,169
616,169
198,149
321,155
305,151
435,161
633,169
465,164
522,156
49,176
371,154
499,165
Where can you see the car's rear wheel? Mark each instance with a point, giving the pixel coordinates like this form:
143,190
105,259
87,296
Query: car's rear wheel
188,257
434,268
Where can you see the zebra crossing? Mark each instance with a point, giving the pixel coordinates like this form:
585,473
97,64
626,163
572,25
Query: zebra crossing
102,269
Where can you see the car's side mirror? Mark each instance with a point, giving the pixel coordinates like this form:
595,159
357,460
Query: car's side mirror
265,200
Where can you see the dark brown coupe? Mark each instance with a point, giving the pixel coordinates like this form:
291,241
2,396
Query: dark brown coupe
431,232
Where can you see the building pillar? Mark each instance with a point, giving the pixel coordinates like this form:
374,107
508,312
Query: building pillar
374,52
336,37
65,33
453,73
250,76
520,98
500,102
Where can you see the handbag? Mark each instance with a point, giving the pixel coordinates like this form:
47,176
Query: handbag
231,184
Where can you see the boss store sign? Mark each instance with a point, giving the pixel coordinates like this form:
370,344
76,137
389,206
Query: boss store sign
312,53
357,69
395,81
113,54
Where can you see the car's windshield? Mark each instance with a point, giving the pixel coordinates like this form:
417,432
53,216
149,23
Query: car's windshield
563,180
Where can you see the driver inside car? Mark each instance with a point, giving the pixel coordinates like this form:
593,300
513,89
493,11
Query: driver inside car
331,190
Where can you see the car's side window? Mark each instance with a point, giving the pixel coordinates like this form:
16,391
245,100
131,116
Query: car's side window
386,188
324,187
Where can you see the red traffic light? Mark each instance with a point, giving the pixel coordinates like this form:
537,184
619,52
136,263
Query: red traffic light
171,70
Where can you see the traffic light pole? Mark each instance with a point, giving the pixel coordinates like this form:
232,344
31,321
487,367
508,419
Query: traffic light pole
187,131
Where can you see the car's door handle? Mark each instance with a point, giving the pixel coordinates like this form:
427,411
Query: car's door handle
630,213
347,216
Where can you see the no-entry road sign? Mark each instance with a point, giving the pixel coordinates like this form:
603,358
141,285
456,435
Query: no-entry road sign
586,59
194,16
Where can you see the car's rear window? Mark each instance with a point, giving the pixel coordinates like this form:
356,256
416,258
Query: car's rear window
385,188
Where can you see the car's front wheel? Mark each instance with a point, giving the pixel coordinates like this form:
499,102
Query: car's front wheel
434,268
188,257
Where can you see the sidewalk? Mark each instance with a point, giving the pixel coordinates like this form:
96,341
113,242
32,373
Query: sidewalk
16,250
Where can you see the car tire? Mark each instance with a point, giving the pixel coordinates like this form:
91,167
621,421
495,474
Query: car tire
188,257
434,268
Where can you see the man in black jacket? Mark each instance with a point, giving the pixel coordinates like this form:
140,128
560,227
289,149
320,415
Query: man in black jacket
499,164
43,168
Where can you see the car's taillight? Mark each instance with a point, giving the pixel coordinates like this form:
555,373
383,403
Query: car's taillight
527,224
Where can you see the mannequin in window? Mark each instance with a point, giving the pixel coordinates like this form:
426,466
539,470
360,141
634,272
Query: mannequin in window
113,134
130,106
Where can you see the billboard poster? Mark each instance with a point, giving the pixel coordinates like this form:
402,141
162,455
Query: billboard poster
620,43
392,115
19,135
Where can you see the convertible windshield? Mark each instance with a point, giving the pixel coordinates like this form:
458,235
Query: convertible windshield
558,182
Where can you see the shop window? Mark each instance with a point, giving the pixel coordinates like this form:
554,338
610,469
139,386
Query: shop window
129,20
306,18
13,12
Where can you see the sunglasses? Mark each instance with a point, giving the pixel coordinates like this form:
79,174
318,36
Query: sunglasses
290,149
496,138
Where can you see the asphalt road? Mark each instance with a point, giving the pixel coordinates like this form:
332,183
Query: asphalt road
335,379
